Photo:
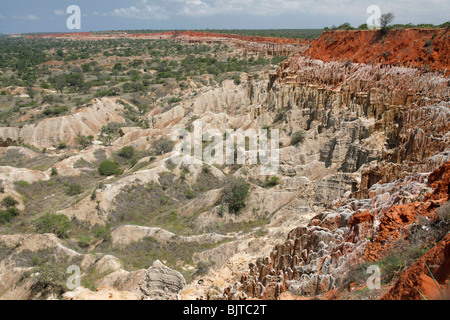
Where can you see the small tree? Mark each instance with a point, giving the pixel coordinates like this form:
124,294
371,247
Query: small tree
85,141
126,152
60,83
9,202
54,223
54,172
8,215
31,92
162,146
385,20
298,137
345,26
235,193
109,168
74,189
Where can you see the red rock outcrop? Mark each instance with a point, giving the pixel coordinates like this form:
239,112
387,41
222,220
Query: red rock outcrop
427,48
313,259
418,279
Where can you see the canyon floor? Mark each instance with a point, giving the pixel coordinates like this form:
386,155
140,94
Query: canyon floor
357,206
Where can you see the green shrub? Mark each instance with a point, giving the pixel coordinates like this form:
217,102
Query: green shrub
85,141
23,183
9,202
54,172
55,111
190,194
271,182
126,152
49,280
54,223
8,215
235,193
298,137
74,189
102,232
162,146
109,168
84,241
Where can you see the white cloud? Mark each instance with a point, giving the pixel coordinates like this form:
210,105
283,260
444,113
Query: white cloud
25,17
405,10
141,10
59,12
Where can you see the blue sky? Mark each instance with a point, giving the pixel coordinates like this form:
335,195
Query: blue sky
26,16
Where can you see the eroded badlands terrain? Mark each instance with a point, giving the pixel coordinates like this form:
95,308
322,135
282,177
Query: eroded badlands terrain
366,184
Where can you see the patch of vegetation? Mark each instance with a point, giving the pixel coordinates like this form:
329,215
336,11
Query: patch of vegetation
142,254
126,152
109,168
162,146
271,182
74,189
9,202
49,280
235,193
298,137
8,215
156,204
54,223
41,196
400,258
55,111
85,141
84,241
103,233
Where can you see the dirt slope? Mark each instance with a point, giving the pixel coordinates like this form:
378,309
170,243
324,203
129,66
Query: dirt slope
425,48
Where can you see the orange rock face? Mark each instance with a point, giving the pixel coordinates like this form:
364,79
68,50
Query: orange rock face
410,47
418,280
313,259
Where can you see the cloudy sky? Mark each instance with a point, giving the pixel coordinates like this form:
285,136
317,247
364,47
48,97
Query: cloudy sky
26,16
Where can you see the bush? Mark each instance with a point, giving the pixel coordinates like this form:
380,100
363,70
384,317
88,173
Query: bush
235,193
23,183
53,223
103,233
55,111
9,202
54,172
109,168
8,215
162,146
85,141
49,280
74,189
126,152
271,182
298,137
84,241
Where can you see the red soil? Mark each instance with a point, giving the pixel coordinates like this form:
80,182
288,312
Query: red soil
399,217
426,48
418,277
